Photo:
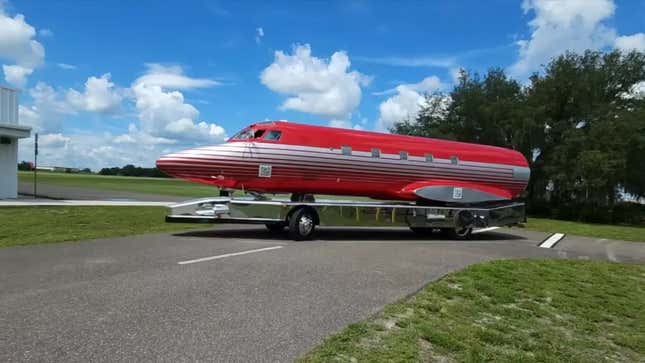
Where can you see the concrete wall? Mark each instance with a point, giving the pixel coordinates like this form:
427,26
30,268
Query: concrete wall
8,170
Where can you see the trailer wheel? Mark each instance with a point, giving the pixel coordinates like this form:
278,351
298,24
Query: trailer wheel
302,224
457,233
275,227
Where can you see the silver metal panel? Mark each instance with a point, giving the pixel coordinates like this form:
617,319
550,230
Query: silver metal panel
341,213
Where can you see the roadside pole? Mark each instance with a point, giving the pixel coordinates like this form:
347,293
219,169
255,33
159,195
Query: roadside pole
35,165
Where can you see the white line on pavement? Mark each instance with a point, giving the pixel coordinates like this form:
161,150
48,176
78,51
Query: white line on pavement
228,255
485,229
552,240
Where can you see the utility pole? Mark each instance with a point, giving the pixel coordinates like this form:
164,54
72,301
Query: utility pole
35,165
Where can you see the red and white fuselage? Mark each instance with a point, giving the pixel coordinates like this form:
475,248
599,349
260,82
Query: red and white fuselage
288,157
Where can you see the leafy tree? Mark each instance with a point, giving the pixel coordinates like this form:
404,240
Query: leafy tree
579,123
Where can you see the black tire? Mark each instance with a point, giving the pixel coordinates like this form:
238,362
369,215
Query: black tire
422,231
275,227
457,233
302,224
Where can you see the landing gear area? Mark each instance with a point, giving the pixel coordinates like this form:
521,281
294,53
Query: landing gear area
302,213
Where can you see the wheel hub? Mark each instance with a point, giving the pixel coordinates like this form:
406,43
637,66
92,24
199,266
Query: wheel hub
305,224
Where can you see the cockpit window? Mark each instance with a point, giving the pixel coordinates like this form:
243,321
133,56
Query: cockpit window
258,134
273,135
243,135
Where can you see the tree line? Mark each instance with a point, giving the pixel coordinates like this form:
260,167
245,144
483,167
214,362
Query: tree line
580,123
131,170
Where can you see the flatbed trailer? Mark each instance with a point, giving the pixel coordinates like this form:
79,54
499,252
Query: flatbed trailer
302,216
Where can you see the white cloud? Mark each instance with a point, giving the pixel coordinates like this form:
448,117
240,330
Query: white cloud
443,62
46,111
558,26
100,95
53,140
318,86
16,75
163,112
407,102
18,47
631,42
259,34
137,137
66,66
172,77
45,33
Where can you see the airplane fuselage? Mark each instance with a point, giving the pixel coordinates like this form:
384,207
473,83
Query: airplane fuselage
287,157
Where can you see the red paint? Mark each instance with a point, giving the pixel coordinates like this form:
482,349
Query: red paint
324,171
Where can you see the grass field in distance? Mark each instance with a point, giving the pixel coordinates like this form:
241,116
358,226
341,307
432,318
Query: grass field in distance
507,311
163,186
35,225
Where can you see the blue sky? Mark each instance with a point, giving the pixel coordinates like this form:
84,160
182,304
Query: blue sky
107,83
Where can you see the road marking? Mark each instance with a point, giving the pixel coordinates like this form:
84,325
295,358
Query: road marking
484,229
228,255
552,240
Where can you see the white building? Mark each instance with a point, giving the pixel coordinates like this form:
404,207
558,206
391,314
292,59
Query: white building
10,132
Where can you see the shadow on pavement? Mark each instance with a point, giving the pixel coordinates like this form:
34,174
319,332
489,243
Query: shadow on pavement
342,234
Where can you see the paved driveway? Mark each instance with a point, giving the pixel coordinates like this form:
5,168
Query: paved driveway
129,298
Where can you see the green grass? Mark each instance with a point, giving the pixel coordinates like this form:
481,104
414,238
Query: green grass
35,225
163,186
507,311
625,233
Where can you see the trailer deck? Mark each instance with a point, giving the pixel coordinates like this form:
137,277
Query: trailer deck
277,214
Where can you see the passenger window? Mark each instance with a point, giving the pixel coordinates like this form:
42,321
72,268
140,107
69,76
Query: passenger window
429,158
346,150
454,160
273,135
376,153
258,134
403,155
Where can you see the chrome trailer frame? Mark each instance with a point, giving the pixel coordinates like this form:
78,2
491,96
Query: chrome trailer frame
260,210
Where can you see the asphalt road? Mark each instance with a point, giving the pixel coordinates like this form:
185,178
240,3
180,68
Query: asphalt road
128,299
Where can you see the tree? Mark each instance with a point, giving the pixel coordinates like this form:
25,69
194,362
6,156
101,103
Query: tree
579,123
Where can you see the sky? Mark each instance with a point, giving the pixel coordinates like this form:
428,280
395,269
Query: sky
113,82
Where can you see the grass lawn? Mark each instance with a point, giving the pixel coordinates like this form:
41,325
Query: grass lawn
34,225
625,233
507,311
163,186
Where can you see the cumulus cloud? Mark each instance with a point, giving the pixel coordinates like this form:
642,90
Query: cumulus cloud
18,48
318,86
95,151
57,140
163,111
172,77
407,101
100,95
558,26
631,42
47,109
137,137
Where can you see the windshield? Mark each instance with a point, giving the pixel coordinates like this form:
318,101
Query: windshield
248,134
